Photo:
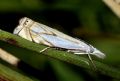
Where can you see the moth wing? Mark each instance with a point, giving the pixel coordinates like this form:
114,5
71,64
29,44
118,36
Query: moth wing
61,43
37,28
54,38
83,47
40,28
57,39
50,30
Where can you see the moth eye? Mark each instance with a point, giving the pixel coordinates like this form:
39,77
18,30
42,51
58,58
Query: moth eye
26,22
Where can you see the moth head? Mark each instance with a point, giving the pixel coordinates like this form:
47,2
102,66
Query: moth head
24,22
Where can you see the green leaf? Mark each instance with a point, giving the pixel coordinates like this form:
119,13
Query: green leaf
7,74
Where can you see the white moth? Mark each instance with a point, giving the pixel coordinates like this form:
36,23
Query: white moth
42,34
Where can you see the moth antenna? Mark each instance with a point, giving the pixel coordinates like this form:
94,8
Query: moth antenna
44,49
90,58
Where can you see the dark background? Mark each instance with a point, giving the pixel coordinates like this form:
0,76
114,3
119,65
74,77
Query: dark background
90,20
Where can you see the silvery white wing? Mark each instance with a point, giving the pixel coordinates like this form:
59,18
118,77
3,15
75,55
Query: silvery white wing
45,35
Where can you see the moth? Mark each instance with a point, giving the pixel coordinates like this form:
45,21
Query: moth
42,34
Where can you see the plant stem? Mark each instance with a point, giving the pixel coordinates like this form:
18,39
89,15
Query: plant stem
57,54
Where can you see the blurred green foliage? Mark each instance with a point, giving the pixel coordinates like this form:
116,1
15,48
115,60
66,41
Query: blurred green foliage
90,20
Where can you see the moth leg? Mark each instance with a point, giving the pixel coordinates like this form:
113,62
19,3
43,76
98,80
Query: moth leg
91,61
80,59
88,53
44,49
